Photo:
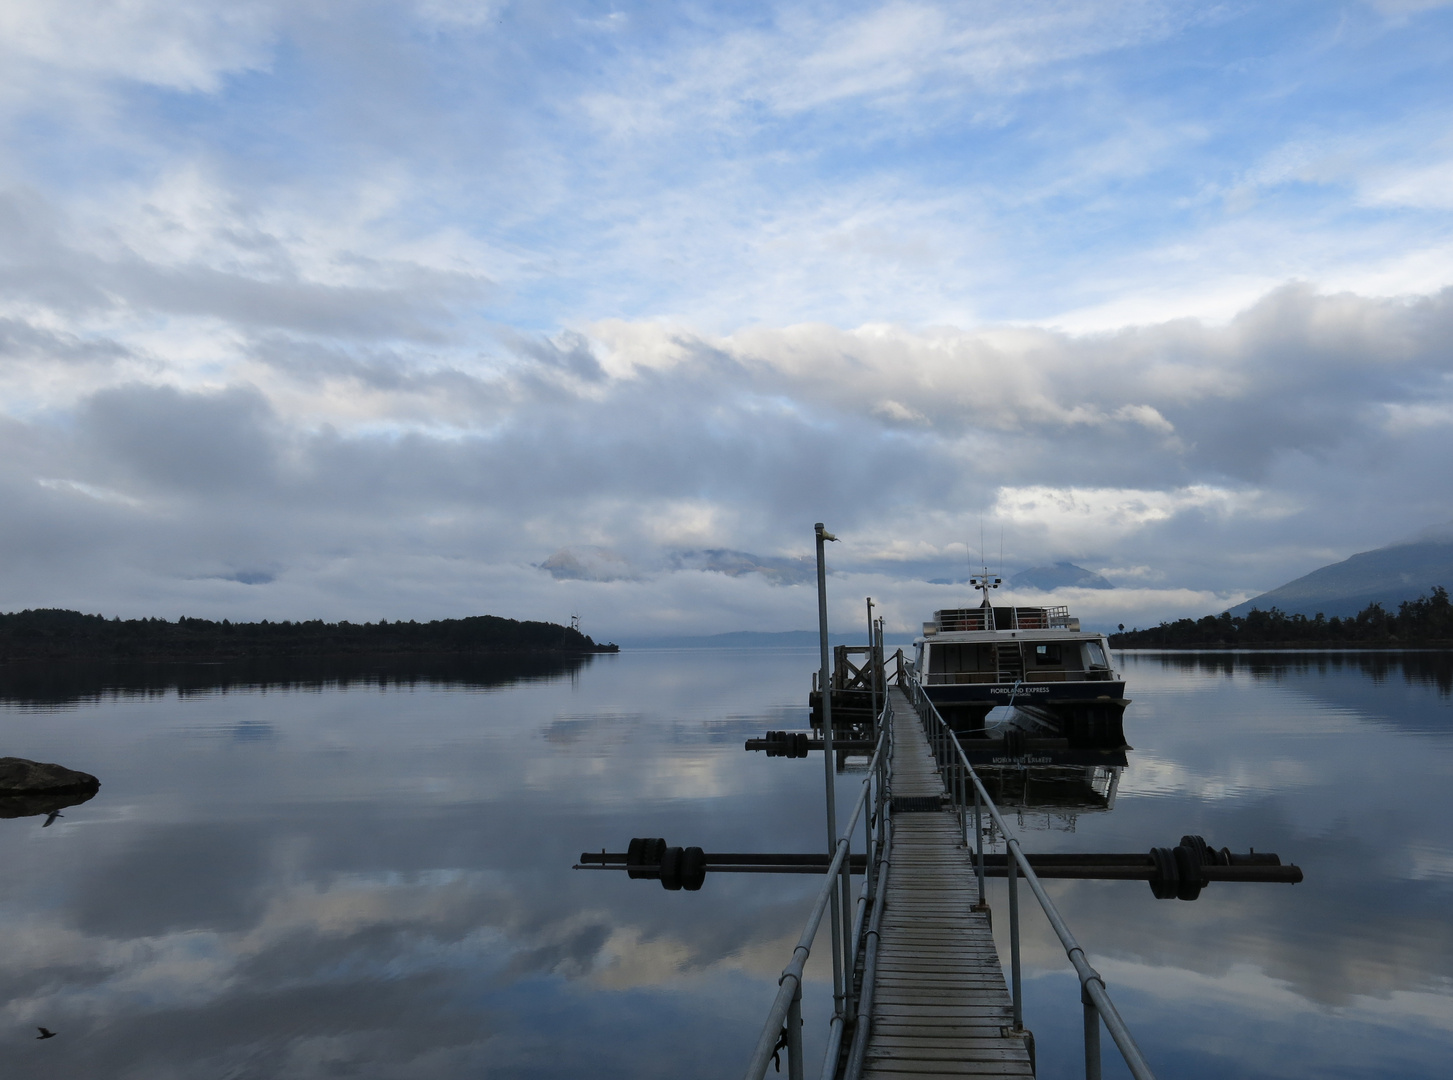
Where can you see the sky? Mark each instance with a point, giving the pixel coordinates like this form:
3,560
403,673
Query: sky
428,309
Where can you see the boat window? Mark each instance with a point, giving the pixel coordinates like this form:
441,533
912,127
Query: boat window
1095,655
946,657
1048,654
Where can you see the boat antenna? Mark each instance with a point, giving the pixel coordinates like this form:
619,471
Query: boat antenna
984,583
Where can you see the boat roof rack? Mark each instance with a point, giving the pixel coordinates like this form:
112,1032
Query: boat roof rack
958,620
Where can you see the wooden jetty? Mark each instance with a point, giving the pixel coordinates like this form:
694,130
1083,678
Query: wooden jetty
940,1005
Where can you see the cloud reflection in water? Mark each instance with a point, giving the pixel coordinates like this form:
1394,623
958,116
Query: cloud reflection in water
381,886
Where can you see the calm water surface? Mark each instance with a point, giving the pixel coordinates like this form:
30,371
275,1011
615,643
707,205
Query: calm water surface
322,877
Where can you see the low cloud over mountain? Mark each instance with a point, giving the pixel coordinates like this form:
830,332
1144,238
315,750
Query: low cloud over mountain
1060,575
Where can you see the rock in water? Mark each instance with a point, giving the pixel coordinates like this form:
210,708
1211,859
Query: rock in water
21,777
30,788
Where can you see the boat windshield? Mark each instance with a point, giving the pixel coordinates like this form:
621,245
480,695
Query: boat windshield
1095,656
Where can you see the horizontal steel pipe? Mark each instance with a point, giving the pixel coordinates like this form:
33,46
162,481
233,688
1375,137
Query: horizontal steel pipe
1273,875
848,746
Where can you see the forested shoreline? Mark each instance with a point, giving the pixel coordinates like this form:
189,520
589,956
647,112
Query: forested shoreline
54,634
1427,621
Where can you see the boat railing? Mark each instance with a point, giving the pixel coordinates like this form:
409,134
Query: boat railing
1058,616
955,678
961,620
956,620
783,1029
954,764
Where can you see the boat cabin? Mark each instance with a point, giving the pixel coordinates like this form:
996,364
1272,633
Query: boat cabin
1009,644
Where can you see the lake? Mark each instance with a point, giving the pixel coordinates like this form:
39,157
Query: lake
314,872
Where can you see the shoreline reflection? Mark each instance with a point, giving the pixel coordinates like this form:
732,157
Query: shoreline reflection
61,684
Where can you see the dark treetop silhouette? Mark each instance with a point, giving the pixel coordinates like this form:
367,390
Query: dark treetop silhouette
53,634
1425,621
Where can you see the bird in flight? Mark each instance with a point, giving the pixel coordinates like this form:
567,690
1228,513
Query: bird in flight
45,1033
49,821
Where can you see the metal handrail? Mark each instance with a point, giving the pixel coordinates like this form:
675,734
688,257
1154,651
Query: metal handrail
790,983
858,1053
1092,985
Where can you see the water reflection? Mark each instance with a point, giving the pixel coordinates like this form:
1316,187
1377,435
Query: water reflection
1044,797
1422,668
48,804
302,877
49,685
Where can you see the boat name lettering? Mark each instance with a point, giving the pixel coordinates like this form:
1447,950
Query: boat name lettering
1020,690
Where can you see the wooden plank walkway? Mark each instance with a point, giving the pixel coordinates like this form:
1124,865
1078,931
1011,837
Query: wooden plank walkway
940,1007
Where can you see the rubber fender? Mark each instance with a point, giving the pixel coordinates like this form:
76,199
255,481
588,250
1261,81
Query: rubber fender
693,868
1197,846
1188,865
643,857
1166,882
671,868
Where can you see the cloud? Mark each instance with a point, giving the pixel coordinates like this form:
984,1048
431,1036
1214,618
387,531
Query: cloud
588,565
147,42
424,310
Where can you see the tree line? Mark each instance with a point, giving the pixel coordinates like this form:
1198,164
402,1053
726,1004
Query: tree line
52,633
1427,620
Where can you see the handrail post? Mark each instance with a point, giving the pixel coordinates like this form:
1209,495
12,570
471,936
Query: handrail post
845,897
829,758
1014,941
794,1036
961,796
1092,1036
870,826
983,904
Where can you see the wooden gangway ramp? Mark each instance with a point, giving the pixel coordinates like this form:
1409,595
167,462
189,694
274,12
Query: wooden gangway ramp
940,1003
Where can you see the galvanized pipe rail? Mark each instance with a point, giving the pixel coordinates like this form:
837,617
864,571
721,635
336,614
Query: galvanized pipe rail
954,763
787,1006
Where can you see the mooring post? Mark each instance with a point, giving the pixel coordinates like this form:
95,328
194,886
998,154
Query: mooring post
829,762
882,675
1014,939
872,667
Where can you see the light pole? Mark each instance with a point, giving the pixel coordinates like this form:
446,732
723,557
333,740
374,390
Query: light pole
829,763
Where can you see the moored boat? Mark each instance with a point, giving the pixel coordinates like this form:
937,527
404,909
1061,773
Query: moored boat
1053,680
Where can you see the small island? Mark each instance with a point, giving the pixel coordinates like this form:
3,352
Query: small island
1423,623
49,634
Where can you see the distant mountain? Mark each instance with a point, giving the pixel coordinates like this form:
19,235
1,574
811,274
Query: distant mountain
1059,576
1387,575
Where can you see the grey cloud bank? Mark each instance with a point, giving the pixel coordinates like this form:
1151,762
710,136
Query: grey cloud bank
629,468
